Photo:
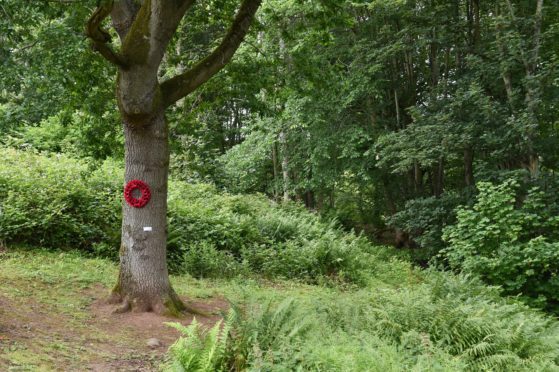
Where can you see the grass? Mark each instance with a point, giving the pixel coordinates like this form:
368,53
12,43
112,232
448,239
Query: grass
405,319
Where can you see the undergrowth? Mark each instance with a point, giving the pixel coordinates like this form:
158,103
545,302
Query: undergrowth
445,323
404,319
382,314
54,201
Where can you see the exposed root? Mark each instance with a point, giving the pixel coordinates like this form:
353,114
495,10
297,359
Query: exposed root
123,308
166,305
114,298
192,310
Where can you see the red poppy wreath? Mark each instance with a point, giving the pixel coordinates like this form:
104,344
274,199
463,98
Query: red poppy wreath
144,190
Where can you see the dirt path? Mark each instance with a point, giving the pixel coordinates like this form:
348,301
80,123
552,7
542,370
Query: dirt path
79,332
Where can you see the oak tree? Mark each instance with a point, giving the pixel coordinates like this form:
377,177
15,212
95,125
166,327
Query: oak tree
145,30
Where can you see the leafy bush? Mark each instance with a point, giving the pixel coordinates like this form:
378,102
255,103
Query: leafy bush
509,243
423,219
452,316
202,260
254,233
55,201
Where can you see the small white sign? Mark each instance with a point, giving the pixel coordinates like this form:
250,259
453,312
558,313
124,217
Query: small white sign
147,228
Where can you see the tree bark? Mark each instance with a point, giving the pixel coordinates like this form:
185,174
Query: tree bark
275,168
284,166
143,282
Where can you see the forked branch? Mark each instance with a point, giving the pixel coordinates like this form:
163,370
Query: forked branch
100,37
183,84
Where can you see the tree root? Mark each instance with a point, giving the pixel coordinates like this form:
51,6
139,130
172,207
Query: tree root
167,305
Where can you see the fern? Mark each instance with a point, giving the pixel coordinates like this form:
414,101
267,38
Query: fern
242,341
199,350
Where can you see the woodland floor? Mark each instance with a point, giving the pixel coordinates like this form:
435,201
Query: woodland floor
53,317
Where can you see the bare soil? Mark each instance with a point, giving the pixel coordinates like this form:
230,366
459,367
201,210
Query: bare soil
38,336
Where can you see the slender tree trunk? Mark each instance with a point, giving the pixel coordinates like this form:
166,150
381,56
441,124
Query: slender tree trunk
143,282
284,166
477,28
532,91
505,73
397,105
275,168
468,166
309,199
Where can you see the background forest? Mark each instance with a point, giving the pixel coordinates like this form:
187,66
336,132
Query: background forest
429,126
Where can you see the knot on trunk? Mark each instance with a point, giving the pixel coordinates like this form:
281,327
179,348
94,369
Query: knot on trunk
138,120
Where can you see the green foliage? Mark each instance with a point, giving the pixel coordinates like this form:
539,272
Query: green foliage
202,260
442,323
217,234
509,242
55,201
405,319
262,339
54,98
199,350
382,111
247,167
423,219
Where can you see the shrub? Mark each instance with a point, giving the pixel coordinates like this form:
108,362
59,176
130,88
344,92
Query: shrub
55,201
202,260
252,233
58,202
423,219
448,318
507,243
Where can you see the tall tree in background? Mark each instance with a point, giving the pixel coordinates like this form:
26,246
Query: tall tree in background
392,110
145,31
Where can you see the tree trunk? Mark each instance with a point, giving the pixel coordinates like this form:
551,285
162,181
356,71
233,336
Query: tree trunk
275,167
284,166
468,166
309,200
143,282
145,30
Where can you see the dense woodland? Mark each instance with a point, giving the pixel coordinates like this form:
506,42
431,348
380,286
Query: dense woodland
430,127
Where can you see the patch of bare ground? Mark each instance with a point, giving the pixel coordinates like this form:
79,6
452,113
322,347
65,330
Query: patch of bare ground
38,336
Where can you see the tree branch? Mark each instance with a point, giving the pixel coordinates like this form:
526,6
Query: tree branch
99,36
181,85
